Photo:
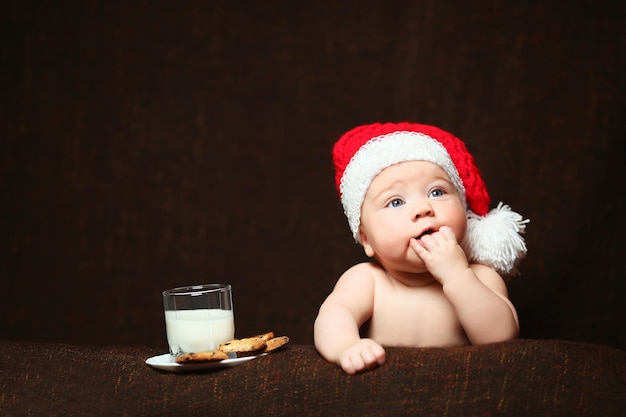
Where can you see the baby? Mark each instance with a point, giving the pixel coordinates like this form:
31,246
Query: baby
415,200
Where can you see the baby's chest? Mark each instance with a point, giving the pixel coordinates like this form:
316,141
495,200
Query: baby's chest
416,306
415,319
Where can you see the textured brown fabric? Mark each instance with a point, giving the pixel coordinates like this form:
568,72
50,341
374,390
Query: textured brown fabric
523,377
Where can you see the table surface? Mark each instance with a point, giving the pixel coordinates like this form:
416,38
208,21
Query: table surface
529,376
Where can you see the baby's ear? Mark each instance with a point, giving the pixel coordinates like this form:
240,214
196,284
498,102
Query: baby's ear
369,251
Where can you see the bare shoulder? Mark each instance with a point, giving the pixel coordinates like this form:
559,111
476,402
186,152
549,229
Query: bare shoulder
363,269
490,278
356,283
353,291
361,274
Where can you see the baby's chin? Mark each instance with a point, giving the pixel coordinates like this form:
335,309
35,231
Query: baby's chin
415,263
420,279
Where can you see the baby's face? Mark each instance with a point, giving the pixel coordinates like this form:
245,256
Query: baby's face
405,201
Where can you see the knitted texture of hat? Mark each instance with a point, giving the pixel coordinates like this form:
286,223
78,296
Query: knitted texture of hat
349,144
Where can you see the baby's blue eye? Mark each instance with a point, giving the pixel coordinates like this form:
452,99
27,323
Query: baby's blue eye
397,202
436,193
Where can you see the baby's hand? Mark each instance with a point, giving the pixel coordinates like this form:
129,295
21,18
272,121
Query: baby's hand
364,355
441,253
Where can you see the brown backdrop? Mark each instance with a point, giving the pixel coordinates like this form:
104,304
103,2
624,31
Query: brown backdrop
147,145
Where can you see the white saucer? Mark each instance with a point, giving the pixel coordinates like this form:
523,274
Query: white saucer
165,362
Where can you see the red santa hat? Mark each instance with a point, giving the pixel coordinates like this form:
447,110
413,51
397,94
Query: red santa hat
493,237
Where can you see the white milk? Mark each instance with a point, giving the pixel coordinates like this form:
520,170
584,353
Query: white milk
198,330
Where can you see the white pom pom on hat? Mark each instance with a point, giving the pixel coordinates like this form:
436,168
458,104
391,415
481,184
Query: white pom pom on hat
493,237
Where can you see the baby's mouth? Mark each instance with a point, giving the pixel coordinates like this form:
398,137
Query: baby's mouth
425,232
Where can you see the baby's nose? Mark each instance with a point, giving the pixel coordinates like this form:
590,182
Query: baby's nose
423,209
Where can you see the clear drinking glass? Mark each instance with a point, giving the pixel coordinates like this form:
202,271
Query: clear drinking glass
198,318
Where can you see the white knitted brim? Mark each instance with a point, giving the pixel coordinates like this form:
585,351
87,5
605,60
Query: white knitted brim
381,152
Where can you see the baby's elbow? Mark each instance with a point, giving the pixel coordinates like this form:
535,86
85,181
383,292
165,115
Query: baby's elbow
495,336
506,336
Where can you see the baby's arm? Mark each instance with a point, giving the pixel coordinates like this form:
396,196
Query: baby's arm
481,300
337,325
477,292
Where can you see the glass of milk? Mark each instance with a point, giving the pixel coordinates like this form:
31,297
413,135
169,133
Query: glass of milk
198,318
